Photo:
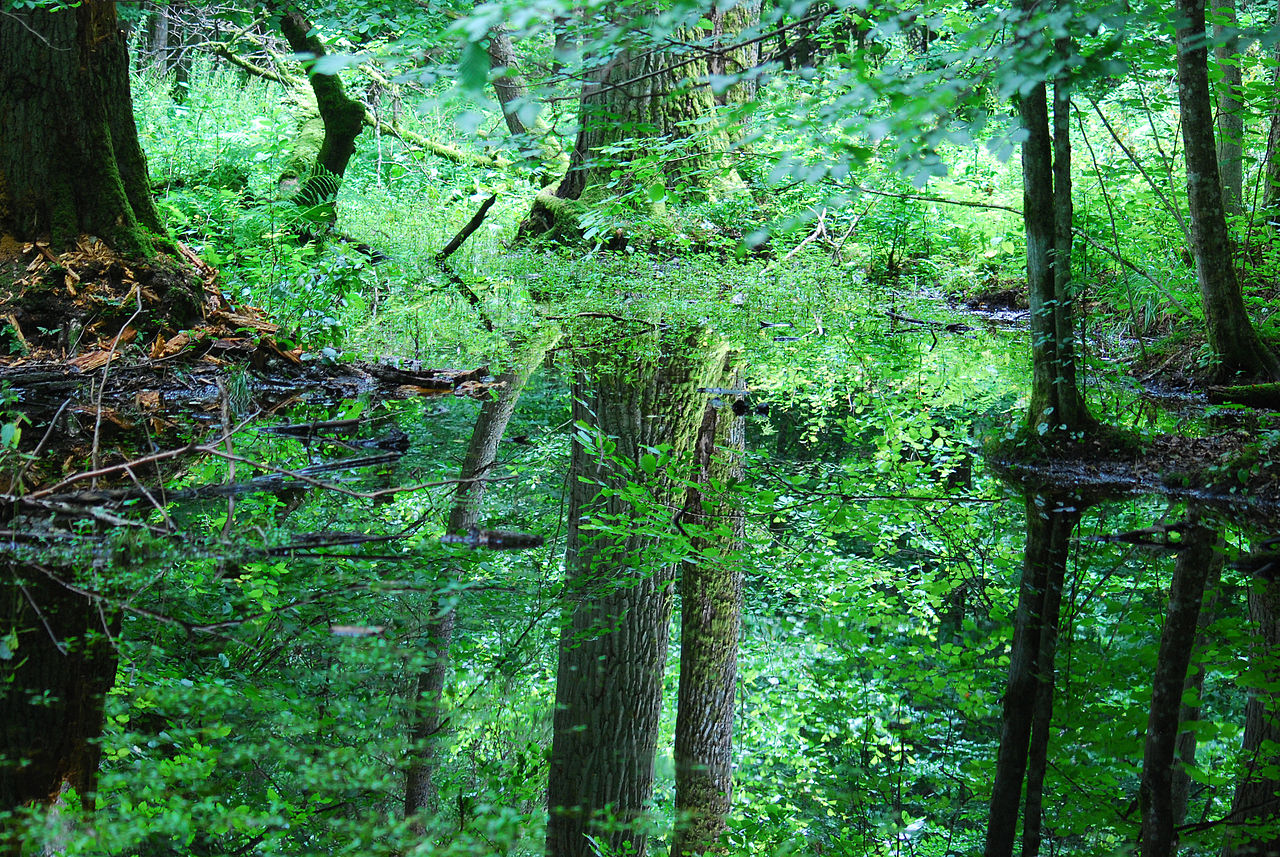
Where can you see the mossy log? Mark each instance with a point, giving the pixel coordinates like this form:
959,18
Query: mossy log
1250,395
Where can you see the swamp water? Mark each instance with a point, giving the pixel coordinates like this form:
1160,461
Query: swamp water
263,646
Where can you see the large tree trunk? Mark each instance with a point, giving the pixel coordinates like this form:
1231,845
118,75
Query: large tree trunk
422,791
52,689
1256,805
710,620
1049,527
1235,343
1177,639
70,162
635,94
613,646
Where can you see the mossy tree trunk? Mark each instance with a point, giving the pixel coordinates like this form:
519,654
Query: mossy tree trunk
55,682
618,592
70,161
638,92
710,622
1056,405
343,118
1236,345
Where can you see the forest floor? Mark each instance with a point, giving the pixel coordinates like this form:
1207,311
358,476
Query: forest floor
71,315
95,339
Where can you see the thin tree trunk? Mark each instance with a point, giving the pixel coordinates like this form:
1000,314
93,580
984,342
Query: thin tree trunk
1189,714
422,789
1042,713
1056,406
1226,52
710,621
1177,639
1271,164
1235,343
508,83
613,645
1049,528
343,117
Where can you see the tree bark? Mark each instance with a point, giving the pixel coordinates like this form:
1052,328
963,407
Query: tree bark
1056,405
1190,713
1177,640
83,173
1049,528
710,621
55,684
343,118
613,645
1226,50
1236,346
1256,803
422,790
1042,709
508,83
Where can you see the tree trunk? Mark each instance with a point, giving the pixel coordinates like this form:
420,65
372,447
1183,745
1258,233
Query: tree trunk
422,791
1042,710
1236,346
635,94
1049,527
343,119
710,620
1056,406
1226,52
55,683
508,83
1256,804
1190,713
613,645
83,172
1271,163
1177,639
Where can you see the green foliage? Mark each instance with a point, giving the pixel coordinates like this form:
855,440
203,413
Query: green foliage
882,556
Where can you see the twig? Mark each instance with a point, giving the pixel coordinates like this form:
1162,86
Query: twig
1133,159
106,370
58,644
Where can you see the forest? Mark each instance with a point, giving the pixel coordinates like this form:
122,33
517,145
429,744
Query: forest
637,427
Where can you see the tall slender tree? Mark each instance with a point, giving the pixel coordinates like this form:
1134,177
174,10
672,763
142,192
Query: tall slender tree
422,787
1236,346
1177,640
1056,405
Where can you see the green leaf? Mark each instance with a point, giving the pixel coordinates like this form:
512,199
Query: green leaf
473,68
649,463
